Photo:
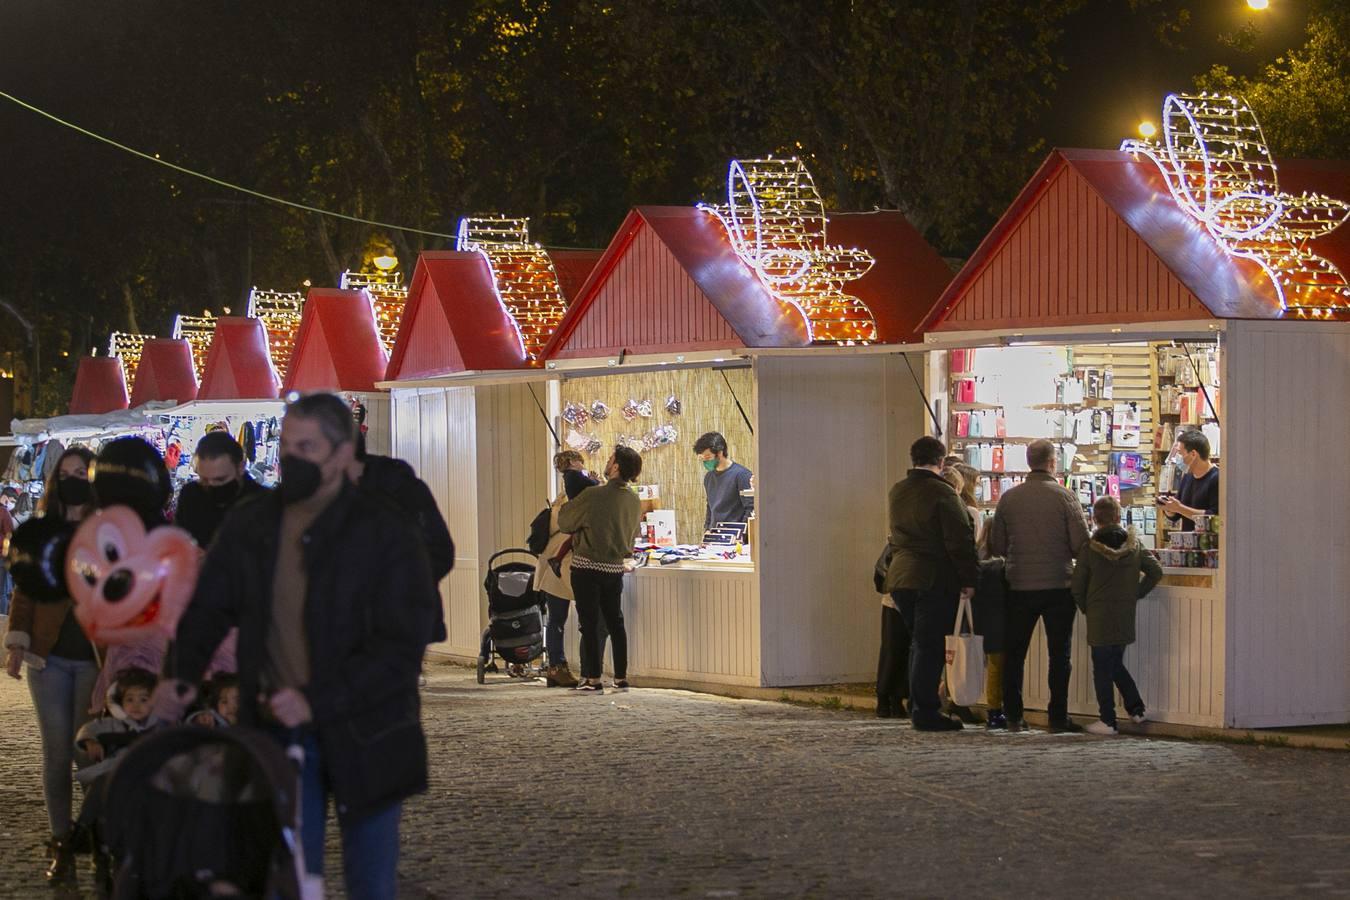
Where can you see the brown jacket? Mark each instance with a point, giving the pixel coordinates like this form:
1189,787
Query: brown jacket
34,627
1039,529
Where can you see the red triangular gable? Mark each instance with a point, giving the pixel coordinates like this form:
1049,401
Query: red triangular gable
338,346
100,386
239,365
165,373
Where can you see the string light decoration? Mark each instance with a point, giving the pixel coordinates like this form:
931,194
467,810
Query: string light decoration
522,274
127,348
775,219
197,331
388,296
280,313
1215,160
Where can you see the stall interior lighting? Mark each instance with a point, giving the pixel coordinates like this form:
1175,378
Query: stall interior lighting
775,220
280,312
1215,160
197,331
522,275
388,296
127,348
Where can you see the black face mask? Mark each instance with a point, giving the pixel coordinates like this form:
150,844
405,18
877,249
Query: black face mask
72,491
300,479
222,494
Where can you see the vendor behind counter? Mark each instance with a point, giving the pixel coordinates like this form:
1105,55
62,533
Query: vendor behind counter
723,482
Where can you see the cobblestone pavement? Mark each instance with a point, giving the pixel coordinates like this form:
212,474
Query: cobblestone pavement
546,793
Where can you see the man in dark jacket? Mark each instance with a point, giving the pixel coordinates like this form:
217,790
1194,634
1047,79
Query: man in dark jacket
332,594
933,565
221,483
396,482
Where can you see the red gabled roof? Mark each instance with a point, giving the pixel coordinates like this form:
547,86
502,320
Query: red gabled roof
573,268
338,346
670,281
100,386
239,365
1095,237
165,372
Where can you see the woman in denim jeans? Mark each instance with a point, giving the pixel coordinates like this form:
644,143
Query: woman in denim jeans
61,665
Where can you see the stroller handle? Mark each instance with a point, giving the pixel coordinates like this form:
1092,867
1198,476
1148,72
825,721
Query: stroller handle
500,553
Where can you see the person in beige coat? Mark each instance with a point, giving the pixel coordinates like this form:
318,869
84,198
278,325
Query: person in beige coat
556,583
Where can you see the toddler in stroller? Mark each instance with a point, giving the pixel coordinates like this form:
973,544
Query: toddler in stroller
515,629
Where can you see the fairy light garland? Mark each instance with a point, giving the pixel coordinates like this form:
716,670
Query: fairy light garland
127,348
198,332
775,219
523,277
388,296
280,312
1215,160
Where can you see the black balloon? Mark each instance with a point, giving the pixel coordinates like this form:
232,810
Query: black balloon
37,558
130,472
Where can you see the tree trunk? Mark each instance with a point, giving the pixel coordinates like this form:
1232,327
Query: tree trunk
129,297
372,136
329,254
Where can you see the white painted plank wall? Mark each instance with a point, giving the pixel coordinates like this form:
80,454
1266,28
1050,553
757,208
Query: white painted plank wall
833,433
1286,487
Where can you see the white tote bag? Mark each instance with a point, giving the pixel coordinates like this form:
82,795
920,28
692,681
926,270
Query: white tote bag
965,660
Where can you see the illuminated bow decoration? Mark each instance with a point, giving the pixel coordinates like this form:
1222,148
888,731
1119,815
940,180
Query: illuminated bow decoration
523,277
776,222
1214,158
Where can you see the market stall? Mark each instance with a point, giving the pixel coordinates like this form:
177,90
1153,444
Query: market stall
100,386
1109,311
686,325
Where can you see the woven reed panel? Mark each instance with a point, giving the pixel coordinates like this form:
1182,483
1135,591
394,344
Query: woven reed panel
707,405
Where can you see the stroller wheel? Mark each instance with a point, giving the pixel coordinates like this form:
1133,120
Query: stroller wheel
482,669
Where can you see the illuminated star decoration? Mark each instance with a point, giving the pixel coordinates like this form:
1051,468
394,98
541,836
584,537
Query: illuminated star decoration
127,348
280,313
522,274
1216,163
388,296
776,222
197,331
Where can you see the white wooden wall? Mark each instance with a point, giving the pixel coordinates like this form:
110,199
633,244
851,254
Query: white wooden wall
379,419
1286,487
833,434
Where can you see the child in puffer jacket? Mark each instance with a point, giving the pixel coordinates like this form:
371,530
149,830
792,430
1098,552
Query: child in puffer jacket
1113,573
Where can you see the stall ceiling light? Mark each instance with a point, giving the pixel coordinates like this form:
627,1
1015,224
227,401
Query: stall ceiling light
1215,160
776,222
522,275
197,331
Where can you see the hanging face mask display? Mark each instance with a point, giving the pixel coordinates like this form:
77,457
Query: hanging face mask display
645,409
599,411
575,414
673,405
630,410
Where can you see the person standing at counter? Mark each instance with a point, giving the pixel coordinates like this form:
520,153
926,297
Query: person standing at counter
1198,494
605,522
723,481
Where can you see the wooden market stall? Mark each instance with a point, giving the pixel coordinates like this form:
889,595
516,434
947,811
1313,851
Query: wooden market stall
1108,310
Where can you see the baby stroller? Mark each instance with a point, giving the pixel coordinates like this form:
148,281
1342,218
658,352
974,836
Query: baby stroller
204,812
515,629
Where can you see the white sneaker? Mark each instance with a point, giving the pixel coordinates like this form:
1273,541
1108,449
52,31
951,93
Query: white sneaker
1099,727
1140,719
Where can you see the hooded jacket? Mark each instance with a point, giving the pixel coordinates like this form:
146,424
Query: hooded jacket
1112,574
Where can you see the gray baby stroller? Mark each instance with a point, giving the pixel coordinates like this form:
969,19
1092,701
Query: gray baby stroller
515,629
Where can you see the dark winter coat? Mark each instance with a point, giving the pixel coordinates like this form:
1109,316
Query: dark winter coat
395,481
1038,528
932,536
1112,574
369,611
200,516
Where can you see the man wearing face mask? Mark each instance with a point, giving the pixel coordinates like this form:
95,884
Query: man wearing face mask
723,481
333,596
221,484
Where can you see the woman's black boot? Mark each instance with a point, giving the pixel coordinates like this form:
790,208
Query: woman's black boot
62,867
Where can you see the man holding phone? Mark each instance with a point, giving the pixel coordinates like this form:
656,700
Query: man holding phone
1198,494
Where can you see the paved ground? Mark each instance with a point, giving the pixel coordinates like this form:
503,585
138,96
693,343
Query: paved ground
547,793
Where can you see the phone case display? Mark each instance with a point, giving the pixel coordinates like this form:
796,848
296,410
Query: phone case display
1198,549
1125,427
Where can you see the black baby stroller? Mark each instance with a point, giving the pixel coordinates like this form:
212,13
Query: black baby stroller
515,629
204,812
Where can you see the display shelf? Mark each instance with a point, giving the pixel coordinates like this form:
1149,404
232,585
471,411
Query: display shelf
966,407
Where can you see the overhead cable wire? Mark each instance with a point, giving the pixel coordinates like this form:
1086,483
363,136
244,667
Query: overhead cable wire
217,181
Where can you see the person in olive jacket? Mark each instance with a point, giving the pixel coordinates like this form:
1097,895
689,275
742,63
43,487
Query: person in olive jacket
1112,575
332,593
933,565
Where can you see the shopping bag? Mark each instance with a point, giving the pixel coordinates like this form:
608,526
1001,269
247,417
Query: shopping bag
965,659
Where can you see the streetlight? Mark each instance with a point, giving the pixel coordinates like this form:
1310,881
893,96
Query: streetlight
1147,129
1259,4
385,263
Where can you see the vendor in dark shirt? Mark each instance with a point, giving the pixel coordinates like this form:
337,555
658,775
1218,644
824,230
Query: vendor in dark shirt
723,482
1198,494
